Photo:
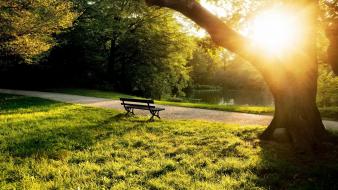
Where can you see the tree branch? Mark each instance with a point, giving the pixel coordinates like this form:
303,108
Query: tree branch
220,33
224,36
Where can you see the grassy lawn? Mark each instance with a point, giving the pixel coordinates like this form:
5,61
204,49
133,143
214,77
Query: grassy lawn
51,145
327,112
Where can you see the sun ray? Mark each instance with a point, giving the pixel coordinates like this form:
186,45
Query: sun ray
277,30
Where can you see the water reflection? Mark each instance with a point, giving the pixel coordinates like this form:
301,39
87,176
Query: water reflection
232,97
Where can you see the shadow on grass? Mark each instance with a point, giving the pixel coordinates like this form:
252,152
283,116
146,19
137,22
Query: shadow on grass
56,141
56,138
53,135
282,168
12,104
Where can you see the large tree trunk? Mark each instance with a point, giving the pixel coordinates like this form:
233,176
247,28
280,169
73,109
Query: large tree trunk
297,113
295,88
292,79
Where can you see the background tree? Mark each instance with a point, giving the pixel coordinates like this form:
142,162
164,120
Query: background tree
215,66
327,88
27,27
125,46
205,62
331,16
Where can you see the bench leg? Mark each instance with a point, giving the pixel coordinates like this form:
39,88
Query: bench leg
153,114
130,111
158,114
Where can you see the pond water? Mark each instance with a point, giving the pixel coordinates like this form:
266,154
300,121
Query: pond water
232,97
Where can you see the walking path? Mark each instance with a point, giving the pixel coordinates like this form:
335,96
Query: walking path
171,112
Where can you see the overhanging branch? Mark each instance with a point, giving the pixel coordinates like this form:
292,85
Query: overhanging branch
225,37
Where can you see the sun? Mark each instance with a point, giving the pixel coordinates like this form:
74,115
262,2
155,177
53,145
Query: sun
276,30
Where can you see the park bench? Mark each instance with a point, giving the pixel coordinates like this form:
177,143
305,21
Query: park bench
130,104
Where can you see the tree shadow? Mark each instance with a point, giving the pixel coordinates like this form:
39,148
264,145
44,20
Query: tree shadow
10,104
282,167
134,118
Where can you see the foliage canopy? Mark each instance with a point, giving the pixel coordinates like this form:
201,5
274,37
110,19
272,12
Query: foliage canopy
27,27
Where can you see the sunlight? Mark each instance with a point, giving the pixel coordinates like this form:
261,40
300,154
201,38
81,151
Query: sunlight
277,30
220,11
190,27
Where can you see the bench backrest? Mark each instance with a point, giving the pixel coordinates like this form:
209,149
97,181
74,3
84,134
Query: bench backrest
137,100
137,103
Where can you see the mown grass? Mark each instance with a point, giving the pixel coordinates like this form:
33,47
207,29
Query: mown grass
51,145
326,112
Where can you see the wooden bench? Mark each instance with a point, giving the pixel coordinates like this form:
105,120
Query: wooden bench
130,104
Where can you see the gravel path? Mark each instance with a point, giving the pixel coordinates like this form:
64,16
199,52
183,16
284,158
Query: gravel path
171,112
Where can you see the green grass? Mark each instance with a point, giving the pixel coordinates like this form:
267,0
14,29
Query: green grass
51,145
326,112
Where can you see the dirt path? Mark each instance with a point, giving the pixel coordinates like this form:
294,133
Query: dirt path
171,112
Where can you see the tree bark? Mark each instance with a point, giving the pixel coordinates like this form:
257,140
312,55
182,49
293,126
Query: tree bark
292,80
296,111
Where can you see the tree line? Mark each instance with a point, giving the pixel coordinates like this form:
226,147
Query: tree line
121,45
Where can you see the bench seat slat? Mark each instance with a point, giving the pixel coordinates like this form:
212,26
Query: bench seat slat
157,109
140,107
130,105
136,106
